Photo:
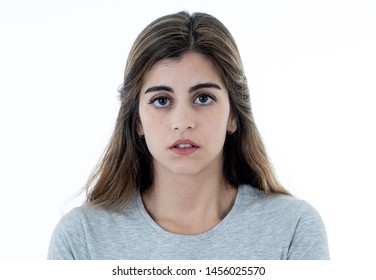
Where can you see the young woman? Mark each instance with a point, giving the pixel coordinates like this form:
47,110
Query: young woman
185,174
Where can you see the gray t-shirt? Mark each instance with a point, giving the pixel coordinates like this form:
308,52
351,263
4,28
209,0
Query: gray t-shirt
258,227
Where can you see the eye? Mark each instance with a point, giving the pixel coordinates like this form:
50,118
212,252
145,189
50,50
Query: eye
160,102
204,99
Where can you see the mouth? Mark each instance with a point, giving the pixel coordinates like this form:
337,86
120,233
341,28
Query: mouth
184,147
184,144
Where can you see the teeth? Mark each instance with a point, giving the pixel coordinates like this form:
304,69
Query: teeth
184,146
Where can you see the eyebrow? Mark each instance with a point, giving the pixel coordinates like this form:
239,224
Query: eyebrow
159,88
204,85
192,89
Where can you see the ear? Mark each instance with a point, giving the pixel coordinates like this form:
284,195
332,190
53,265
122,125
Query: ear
140,129
232,124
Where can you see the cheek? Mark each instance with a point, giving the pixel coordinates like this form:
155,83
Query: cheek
218,122
151,124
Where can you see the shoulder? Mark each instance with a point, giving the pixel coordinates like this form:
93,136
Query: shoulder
81,226
273,203
67,236
300,223
276,208
79,215
88,217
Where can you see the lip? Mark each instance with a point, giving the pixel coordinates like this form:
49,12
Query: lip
184,151
184,141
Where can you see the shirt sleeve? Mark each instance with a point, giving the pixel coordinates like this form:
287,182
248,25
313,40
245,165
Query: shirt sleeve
309,239
68,241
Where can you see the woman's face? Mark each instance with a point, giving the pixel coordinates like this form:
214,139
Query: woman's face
185,115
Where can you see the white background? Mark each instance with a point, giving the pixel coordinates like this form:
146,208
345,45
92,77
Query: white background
311,67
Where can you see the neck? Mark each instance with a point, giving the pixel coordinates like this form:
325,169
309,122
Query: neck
189,204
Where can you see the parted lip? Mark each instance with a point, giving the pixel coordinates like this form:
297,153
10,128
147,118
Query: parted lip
184,141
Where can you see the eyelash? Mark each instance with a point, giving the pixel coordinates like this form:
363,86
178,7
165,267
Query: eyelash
159,97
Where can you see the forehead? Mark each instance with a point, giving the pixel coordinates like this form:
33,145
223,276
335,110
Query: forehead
189,67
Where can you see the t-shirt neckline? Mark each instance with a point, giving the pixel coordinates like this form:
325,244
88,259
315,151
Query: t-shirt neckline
217,229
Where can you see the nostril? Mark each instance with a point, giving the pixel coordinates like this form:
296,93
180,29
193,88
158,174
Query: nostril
182,119
183,127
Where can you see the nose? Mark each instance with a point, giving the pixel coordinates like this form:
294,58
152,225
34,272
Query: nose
182,119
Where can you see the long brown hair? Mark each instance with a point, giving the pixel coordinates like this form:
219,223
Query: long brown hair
126,166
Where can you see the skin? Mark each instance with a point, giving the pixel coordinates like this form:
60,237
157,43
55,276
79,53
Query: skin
186,99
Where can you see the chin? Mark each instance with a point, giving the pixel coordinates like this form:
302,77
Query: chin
184,171
185,168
